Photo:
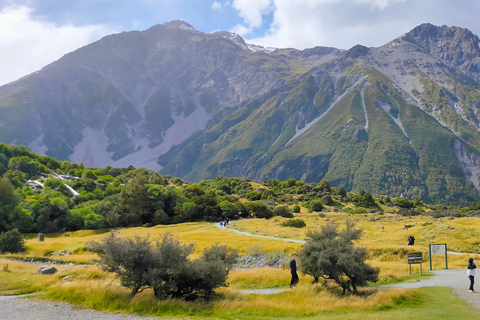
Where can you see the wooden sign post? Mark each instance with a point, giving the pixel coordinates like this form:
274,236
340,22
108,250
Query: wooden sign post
415,258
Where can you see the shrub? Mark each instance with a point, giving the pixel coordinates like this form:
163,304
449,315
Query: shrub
283,212
254,195
316,205
332,255
11,241
294,223
296,209
259,209
166,267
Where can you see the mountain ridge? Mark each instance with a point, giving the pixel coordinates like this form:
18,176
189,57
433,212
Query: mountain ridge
401,118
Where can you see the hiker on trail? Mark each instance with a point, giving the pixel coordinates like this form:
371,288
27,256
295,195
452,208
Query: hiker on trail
411,240
227,221
471,273
293,271
119,236
221,224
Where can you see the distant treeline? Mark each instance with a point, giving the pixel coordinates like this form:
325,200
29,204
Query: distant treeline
35,196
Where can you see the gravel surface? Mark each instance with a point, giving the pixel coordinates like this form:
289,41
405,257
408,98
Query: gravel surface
456,279
16,308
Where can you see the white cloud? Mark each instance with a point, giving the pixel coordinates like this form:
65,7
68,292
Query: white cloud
216,5
381,4
252,10
241,30
29,43
336,23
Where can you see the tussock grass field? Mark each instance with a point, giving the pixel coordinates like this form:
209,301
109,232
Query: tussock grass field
93,288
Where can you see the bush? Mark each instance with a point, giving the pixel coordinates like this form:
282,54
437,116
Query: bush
259,209
316,205
294,223
296,209
11,241
166,267
283,212
332,255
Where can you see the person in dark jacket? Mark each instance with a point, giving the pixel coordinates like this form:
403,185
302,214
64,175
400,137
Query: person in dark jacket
293,271
471,273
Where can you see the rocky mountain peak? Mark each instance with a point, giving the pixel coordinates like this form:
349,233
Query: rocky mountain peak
179,24
459,47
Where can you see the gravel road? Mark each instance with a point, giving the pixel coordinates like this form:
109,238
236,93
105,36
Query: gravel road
456,279
15,308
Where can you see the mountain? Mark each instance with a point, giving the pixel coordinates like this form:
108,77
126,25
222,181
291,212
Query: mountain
401,119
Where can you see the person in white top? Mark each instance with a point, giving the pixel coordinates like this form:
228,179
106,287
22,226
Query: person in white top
471,273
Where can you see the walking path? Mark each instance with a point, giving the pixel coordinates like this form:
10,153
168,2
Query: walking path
455,278
243,233
15,308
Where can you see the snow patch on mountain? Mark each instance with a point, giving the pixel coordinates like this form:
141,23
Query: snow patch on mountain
37,145
91,151
364,106
299,132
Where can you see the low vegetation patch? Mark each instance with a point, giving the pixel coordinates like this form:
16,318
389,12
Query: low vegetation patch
294,223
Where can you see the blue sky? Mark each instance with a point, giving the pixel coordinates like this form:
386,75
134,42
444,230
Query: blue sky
34,33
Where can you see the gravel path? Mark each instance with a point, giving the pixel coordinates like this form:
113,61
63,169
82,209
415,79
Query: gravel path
455,278
15,308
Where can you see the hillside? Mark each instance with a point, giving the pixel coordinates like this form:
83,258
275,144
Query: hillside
41,194
400,119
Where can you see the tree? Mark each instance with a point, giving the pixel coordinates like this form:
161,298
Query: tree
282,211
166,268
11,241
229,210
316,205
332,255
259,209
8,201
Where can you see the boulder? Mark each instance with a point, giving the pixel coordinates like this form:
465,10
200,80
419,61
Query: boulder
47,270
371,219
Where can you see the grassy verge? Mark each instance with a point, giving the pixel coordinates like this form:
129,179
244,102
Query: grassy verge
92,288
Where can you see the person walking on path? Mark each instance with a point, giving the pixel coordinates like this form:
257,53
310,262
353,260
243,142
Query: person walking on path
293,271
471,273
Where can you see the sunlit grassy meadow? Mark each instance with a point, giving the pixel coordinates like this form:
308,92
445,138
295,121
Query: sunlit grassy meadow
93,288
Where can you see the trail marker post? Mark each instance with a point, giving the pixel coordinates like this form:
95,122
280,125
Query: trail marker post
415,258
438,249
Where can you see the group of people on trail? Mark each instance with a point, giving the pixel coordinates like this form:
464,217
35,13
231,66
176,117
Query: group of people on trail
224,223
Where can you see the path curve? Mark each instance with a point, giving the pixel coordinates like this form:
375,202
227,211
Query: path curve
243,233
454,278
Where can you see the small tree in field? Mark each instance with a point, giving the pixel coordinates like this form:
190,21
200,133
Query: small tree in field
331,254
165,267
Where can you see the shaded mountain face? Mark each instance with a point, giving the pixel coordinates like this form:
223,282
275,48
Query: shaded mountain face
129,97
401,119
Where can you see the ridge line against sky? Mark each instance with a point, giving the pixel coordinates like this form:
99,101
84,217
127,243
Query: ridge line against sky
35,33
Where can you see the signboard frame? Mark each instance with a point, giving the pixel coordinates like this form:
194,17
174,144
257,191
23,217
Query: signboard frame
415,257
430,251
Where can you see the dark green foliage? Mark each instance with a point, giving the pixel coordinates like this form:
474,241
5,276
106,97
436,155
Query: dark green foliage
11,241
259,210
283,211
165,267
296,209
333,255
364,199
254,195
294,223
403,203
316,205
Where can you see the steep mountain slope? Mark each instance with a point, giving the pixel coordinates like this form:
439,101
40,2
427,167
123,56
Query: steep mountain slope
400,119
129,97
